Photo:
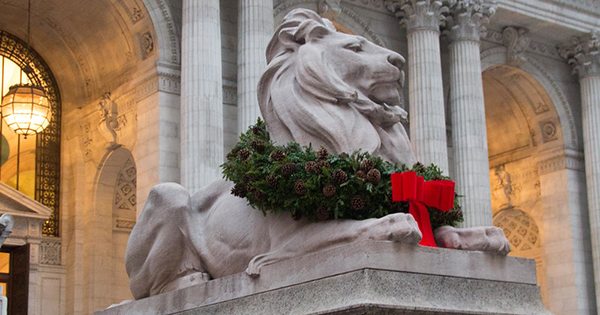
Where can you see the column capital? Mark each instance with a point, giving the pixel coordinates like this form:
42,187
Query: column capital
419,14
583,54
467,19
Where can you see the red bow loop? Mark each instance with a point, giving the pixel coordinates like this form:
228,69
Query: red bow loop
411,188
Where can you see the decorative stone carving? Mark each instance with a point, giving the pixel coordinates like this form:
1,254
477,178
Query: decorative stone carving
109,122
504,183
583,54
86,140
352,102
125,191
467,19
50,252
147,44
136,14
519,228
549,130
419,14
516,41
329,9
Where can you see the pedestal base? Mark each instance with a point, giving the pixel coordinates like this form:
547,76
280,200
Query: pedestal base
363,278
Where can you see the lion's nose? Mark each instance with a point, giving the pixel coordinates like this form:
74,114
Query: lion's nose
396,59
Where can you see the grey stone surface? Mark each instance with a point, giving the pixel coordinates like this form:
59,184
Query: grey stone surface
369,277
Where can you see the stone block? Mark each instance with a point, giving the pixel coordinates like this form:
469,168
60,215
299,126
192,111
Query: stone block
369,277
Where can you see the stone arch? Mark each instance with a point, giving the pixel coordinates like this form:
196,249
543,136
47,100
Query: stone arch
497,57
167,29
113,219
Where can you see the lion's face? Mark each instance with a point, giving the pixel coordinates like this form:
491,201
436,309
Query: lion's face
335,90
373,71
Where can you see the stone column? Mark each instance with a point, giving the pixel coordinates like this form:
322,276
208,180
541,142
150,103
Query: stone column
255,28
471,166
425,91
584,55
201,94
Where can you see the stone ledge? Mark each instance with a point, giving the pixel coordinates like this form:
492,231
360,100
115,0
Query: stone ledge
363,278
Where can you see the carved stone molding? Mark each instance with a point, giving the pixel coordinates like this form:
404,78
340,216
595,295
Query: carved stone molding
123,224
86,140
419,14
50,252
540,48
166,82
467,19
366,28
516,41
583,54
561,162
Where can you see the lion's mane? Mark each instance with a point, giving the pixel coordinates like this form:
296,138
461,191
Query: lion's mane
302,100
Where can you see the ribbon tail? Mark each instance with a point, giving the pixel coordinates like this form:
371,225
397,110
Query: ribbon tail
421,215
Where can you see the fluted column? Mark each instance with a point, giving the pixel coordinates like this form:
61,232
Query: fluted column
425,91
467,109
584,55
201,94
255,28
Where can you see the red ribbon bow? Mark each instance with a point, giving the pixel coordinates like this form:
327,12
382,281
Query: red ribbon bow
420,194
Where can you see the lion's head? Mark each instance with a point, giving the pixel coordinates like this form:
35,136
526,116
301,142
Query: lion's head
331,89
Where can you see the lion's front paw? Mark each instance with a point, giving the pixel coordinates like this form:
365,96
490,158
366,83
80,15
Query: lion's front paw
485,238
399,227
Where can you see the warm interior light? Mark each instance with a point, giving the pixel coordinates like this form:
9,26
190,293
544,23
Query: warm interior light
26,109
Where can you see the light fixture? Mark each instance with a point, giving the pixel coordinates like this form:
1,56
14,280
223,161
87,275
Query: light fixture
26,108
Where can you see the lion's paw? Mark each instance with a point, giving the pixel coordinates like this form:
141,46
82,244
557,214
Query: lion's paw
398,227
484,238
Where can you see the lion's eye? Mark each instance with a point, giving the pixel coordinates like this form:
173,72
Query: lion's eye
354,47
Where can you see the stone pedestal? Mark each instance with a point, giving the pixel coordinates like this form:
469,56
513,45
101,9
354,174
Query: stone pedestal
370,277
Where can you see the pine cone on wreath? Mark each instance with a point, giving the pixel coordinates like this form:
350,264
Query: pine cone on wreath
357,203
339,176
258,146
366,165
288,169
311,167
244,154
271,180
374,176
277,155
322,154
323,164
299,188
329,190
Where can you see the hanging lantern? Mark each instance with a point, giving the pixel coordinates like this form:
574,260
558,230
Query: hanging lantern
26,109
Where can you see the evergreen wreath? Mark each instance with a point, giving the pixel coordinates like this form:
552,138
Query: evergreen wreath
318,185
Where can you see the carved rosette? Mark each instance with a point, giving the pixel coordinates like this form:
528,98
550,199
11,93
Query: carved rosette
583,54
419,14
516,41
467,19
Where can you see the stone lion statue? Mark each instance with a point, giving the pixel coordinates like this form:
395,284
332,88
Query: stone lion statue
321,87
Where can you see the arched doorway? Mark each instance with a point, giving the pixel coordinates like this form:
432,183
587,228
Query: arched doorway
537,180
113,219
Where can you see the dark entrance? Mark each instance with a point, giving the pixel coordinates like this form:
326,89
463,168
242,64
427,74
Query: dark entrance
14,278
